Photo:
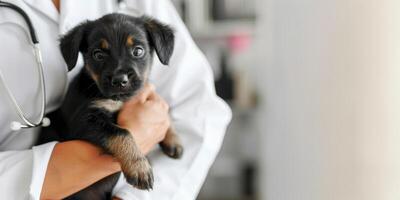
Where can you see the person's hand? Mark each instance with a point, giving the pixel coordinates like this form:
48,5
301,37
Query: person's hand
74,165
146,117
77,164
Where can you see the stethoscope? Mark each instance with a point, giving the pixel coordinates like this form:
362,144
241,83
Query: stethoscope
42,121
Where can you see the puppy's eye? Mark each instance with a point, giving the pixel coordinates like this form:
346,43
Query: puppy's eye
138,52
98,55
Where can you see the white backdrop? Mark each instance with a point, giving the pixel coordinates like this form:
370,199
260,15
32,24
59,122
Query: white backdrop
331,92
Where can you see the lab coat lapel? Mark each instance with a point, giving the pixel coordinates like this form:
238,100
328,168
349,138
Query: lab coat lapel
46,7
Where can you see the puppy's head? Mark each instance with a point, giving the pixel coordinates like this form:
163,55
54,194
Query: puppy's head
118,51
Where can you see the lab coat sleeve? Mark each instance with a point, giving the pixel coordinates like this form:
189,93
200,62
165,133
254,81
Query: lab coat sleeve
198,114
22,172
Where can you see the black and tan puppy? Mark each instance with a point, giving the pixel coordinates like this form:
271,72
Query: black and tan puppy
118,51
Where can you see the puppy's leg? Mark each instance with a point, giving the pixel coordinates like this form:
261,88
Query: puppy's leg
171,144
134,164
119,143
101,190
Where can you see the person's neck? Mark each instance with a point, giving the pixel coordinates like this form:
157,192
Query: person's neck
56,4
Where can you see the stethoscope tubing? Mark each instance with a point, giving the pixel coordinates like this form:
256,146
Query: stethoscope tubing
42,121
28,21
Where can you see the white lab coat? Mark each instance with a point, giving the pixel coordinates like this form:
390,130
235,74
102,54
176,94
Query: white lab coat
199,115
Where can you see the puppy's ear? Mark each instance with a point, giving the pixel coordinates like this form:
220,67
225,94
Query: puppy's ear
162,38
72,43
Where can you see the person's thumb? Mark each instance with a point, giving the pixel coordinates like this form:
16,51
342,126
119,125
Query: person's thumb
144,94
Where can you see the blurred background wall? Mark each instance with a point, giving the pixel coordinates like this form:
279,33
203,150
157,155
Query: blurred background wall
331,85
314,86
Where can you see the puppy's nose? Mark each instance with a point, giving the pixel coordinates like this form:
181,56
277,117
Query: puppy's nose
120,80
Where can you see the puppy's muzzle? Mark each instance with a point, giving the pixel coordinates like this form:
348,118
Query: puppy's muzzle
119,80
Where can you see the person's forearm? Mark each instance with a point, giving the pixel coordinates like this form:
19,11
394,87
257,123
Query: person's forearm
73,166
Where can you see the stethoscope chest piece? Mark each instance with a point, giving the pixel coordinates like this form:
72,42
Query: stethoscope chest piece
16,126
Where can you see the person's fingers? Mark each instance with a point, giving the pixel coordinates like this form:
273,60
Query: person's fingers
143,94
152,96
164,104
146,92
155,98
148,96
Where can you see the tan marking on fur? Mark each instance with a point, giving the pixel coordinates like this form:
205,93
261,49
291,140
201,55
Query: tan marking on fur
125,150
94,76
104,44
171,145
108,104
123,147
170,137
129,41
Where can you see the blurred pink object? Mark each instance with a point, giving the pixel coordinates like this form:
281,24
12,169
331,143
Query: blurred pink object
239,42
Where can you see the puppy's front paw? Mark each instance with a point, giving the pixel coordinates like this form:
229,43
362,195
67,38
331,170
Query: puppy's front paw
140,175
174,150
171,144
